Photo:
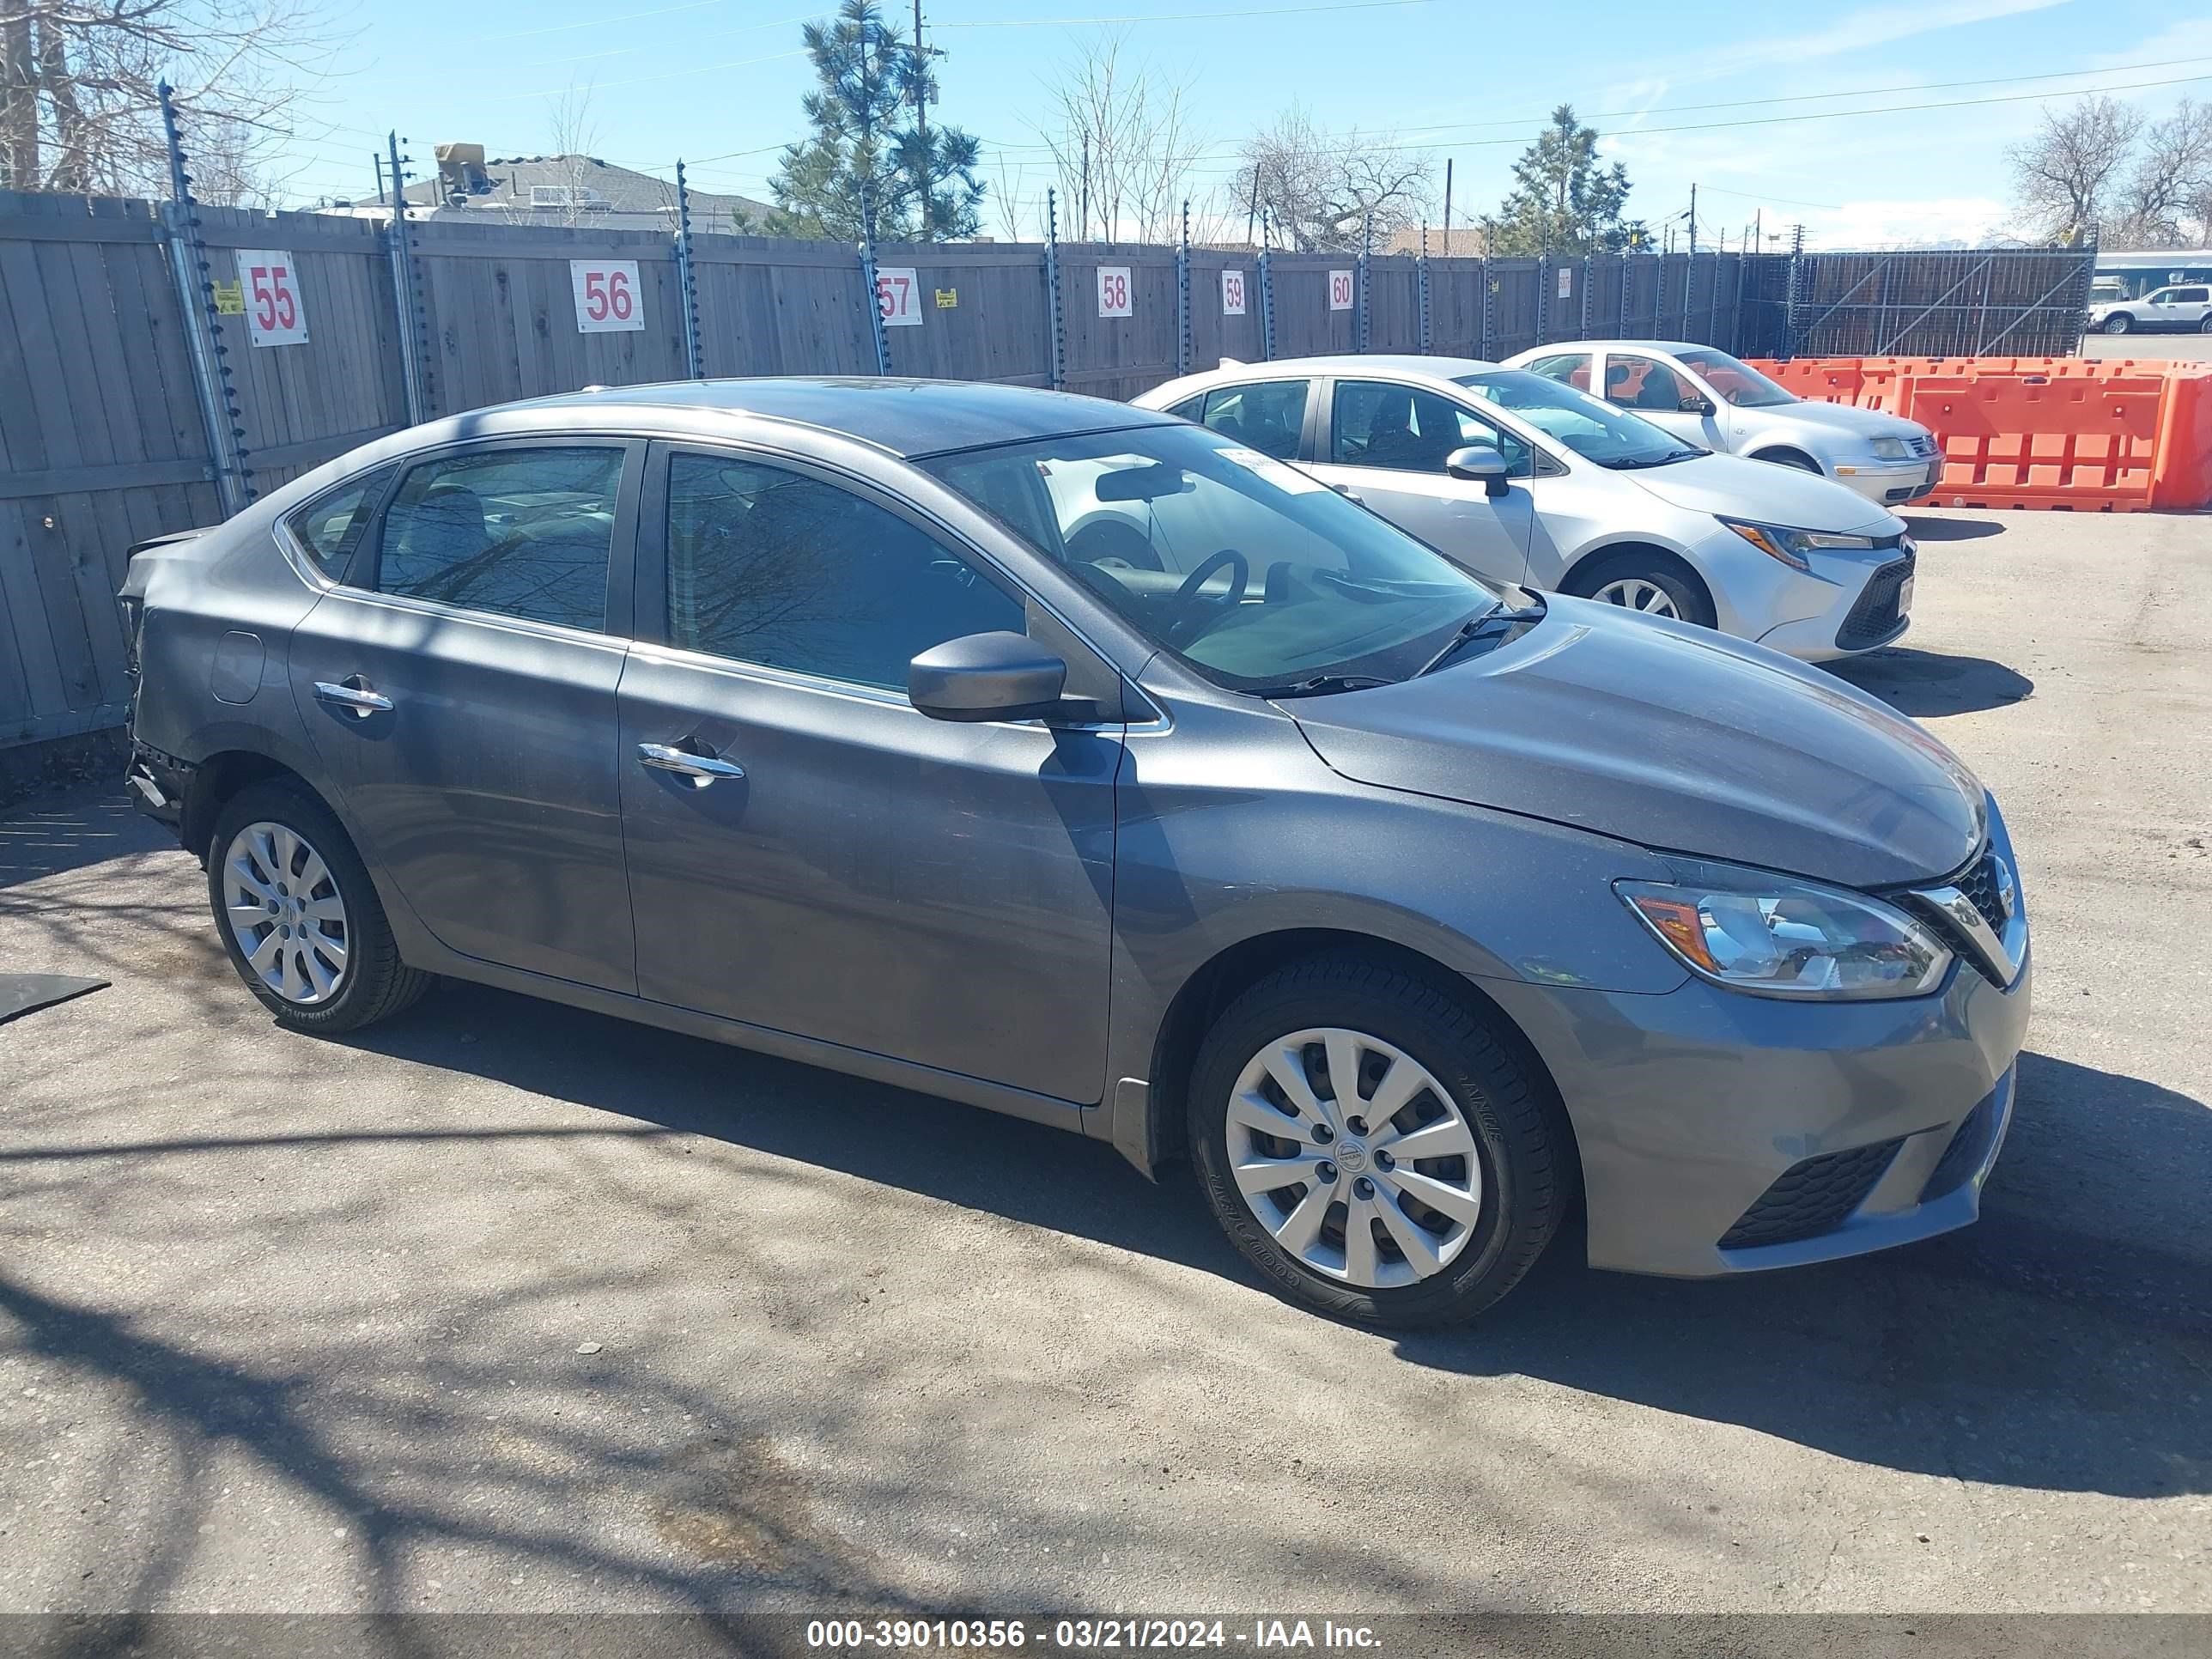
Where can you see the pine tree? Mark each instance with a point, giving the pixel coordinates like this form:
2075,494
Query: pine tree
1563,202
863,171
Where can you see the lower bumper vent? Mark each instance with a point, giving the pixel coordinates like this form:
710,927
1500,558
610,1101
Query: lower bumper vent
1811,1197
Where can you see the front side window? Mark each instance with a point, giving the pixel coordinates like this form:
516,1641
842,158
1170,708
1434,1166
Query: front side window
521,532
329,527
1269,416
772,567
1569,367
1406,429
1592,428
1635,382
1255,573
1736,381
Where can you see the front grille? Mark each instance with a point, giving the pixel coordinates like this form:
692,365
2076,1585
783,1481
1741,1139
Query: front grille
1875,617
1964,1153
1922,448
1979,884
1811,1197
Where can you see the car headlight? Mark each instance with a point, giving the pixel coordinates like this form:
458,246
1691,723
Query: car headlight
1775,936
1794,548
1892,449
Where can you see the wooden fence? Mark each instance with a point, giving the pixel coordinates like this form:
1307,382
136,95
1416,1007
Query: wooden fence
107,437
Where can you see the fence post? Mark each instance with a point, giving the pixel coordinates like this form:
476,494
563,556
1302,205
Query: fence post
1627,273
1589,288
405,298
1182,295
1483,276
1366,247
694,361
873,298
213,387
1052,288
1543,296
1713,296
1790,294
1266,296
1735,317
1421,276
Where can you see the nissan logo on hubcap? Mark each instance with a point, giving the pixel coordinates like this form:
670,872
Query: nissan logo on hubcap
1351,1156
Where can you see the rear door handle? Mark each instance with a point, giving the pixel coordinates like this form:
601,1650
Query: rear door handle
359,699
701,769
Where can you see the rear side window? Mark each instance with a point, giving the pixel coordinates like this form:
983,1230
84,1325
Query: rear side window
519,532
331,526
1269,416
1571,368
775,568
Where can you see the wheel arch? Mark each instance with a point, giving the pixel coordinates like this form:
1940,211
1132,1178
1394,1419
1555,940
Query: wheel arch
1787,455
218,778
1578,578
1236,968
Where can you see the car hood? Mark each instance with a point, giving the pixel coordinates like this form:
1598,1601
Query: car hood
1770,494
1845,419
1674,738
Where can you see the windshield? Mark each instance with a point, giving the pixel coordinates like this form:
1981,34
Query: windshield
1593,429
1738,382
1256,574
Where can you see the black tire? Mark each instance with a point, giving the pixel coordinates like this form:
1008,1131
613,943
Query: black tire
2118,323
2205,327
1798,459
1691,601
375,983
1528,1173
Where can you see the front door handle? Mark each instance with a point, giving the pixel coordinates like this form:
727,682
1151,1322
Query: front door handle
701,769
357,699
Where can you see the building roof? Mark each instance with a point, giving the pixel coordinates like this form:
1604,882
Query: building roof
575,189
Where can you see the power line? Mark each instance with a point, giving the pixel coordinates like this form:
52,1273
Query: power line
1176,16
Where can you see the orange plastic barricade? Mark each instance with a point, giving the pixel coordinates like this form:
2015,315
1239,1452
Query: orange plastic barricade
2088,434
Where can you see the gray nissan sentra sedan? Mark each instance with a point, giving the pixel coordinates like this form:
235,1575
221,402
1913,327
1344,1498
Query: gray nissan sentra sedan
1076,761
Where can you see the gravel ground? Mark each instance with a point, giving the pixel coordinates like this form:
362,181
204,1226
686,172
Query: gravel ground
508,1307
2172,348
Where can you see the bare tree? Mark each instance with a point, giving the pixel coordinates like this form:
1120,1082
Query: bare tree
575,135
79,111
2065,176
2169,183
1319,189
1122,142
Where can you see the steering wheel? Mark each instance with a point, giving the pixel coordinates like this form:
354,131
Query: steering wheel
1184,608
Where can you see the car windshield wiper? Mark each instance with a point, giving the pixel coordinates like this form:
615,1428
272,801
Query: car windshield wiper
1633,463
1319,685
1494,626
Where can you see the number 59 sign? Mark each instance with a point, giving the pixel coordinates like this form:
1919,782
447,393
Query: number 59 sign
607,298
271,285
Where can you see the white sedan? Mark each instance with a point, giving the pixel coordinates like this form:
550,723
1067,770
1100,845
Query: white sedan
1717,400
1524,480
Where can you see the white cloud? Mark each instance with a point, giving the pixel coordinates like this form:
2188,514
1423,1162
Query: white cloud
1889,223
1859,31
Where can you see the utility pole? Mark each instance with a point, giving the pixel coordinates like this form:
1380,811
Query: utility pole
1758,229
926,218
379,160
1447,184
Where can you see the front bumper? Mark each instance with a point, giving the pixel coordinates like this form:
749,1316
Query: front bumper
1691,1107
1863,605
1894,484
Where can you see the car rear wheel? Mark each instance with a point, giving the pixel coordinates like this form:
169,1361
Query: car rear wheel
2118,323
1639,582
2205,327
1373,1147
299,915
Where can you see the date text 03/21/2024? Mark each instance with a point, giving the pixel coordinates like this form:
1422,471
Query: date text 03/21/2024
1084,1635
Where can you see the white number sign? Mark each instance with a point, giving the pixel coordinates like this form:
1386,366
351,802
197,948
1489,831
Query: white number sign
896,293
274,314
1113,291
1566,282
607,296
1340,290
1232,294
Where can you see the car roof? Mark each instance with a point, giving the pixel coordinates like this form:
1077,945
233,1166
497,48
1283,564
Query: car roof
907,418
1390,363
1670,346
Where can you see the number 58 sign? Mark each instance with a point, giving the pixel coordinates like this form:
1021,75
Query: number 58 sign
1113,291
270,287
607,299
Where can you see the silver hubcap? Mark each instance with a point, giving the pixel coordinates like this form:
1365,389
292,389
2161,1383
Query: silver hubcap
1638,594
1354,1157
284,910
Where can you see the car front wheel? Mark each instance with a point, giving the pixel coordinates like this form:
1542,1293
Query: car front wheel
299,915
1373,1147
2118,323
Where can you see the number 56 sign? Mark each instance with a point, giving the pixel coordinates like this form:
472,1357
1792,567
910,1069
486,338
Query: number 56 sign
271,285
607,300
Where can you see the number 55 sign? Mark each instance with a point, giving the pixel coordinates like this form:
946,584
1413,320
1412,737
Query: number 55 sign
606,295
274,315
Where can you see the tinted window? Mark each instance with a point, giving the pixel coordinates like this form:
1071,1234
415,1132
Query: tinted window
1409,430
524,533
1190,408
1643,383
770,567
1269,416
331,526
2189,296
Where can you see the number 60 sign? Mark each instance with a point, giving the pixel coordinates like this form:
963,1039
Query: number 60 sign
607,297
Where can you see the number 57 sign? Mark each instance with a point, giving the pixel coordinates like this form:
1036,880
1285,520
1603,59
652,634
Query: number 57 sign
271,288
606,295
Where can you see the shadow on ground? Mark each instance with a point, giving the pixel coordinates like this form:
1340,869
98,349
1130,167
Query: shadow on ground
2084,1297
1953,530
1925,684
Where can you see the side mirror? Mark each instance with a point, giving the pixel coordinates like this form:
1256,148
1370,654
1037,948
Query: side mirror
986,677
1480,464
1693,405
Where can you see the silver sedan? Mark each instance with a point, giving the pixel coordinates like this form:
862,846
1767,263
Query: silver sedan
1712,399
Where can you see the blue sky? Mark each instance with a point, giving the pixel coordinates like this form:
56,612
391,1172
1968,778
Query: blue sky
705,78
